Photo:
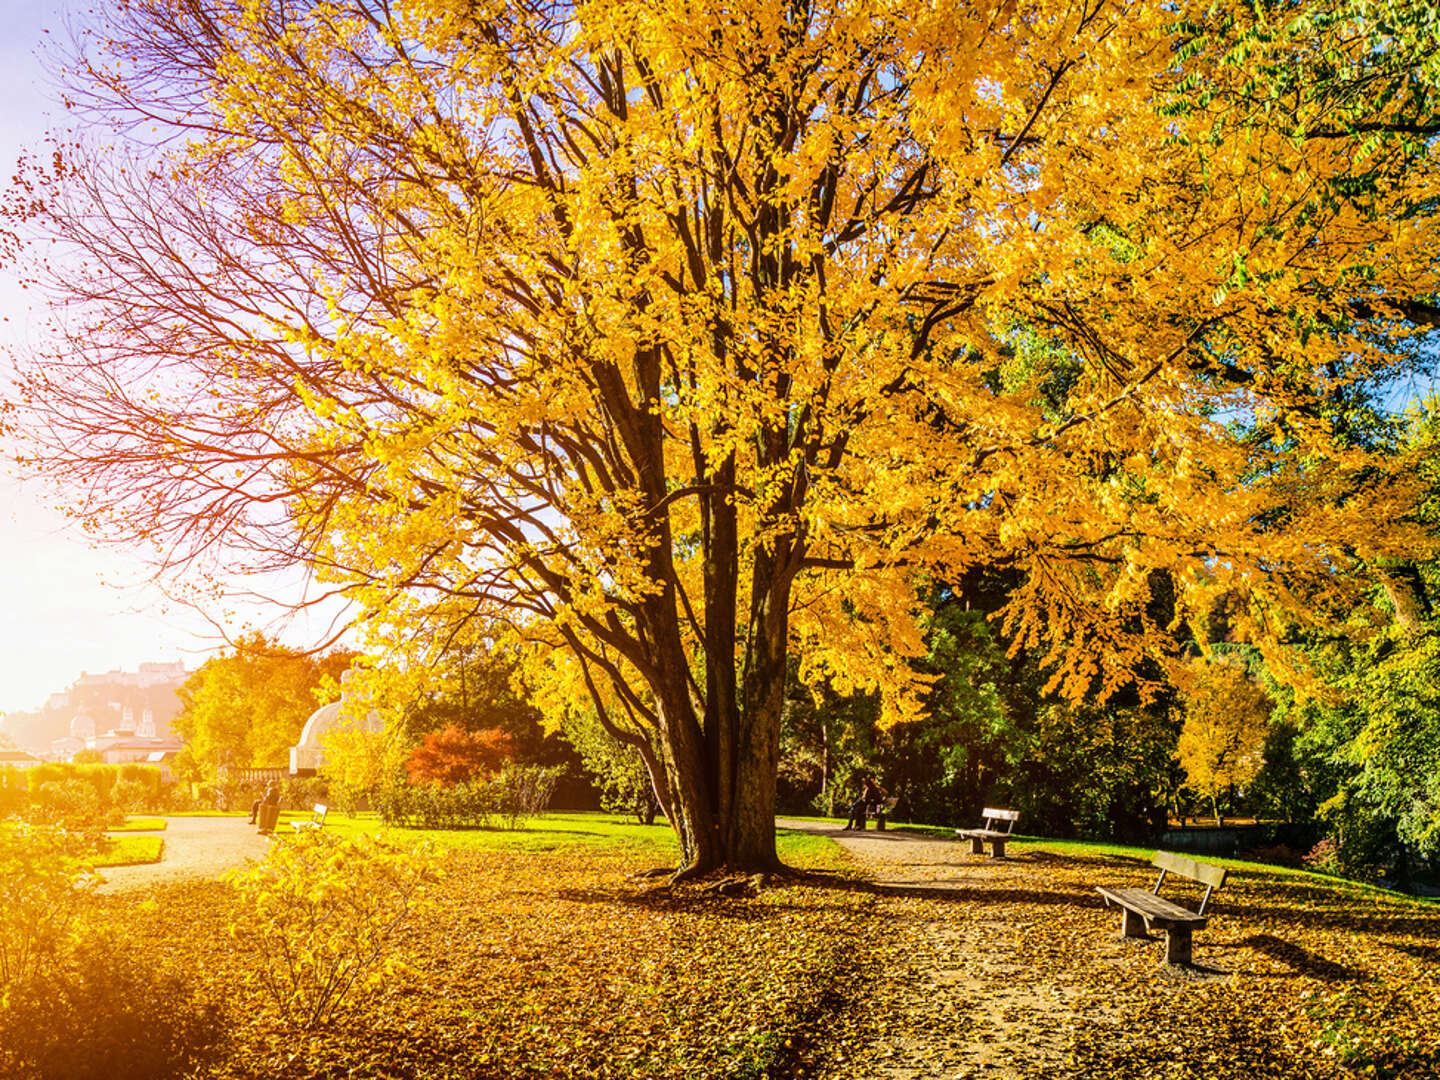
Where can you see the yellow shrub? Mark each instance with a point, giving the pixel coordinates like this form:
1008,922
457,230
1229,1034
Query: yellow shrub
44,881
319,915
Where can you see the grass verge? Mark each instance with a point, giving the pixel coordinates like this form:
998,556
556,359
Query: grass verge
129,850
138,824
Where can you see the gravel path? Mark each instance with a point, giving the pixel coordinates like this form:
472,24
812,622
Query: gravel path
195,847
964,999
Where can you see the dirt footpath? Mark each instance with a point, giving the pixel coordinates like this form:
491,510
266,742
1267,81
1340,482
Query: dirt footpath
195,847
970,990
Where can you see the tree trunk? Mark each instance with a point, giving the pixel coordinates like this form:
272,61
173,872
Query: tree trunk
751,837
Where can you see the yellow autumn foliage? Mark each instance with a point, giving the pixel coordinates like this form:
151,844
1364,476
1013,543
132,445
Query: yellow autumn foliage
672,338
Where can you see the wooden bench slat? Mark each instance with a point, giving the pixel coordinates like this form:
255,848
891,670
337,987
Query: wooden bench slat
1003,815
983,834
1213,876
1157,911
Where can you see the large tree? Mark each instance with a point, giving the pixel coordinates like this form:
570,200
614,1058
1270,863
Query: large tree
673,337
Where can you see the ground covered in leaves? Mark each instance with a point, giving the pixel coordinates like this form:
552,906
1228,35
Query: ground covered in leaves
899,959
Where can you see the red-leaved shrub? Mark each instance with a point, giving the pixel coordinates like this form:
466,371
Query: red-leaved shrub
454,755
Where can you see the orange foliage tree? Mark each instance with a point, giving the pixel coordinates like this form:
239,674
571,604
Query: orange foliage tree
664,340
453,755
1227,717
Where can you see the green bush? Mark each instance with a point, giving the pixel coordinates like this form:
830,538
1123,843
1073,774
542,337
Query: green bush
23,791
45,879
102,1012
319,914
303,793
73,803
467,805
516,793
523,791
14,791
131,796
147,776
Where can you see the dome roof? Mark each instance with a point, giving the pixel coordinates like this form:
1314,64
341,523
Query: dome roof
309,754
321,721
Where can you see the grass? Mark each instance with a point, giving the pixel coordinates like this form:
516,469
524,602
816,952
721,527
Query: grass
563,831
138,824
129,850
552,832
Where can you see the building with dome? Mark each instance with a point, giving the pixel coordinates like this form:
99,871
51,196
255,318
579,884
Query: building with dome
308,755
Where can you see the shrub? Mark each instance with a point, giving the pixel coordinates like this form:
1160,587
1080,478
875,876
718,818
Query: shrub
524,791
45,879
149,779
518,792
319,914
14,791
301,794
455,756
131,796
73,803
460,806
102,1012
1323,857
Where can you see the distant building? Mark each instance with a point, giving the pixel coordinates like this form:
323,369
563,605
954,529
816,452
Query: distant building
123,745
18,759
307,755
144,702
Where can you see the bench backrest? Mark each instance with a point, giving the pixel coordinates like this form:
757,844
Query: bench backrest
1212,877
992,816
320,811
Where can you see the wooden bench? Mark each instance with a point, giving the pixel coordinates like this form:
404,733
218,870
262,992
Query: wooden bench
882,810
990,832
317,819
1142,911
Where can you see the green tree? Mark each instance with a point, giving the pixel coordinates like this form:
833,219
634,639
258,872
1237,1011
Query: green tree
246,708
616,768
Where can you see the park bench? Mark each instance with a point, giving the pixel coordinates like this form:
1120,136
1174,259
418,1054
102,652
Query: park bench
990,831
1142,911
883,809
317,819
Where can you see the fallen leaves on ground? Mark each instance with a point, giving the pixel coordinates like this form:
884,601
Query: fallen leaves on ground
1014,968
567,964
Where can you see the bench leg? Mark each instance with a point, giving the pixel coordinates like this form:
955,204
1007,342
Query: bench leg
977,846
997,849
1131,924
1177,945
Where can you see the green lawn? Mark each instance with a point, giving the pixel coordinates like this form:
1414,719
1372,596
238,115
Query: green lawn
139,824
552,832
129,850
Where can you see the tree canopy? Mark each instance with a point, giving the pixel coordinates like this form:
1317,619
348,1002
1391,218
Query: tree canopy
247,707
669,339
